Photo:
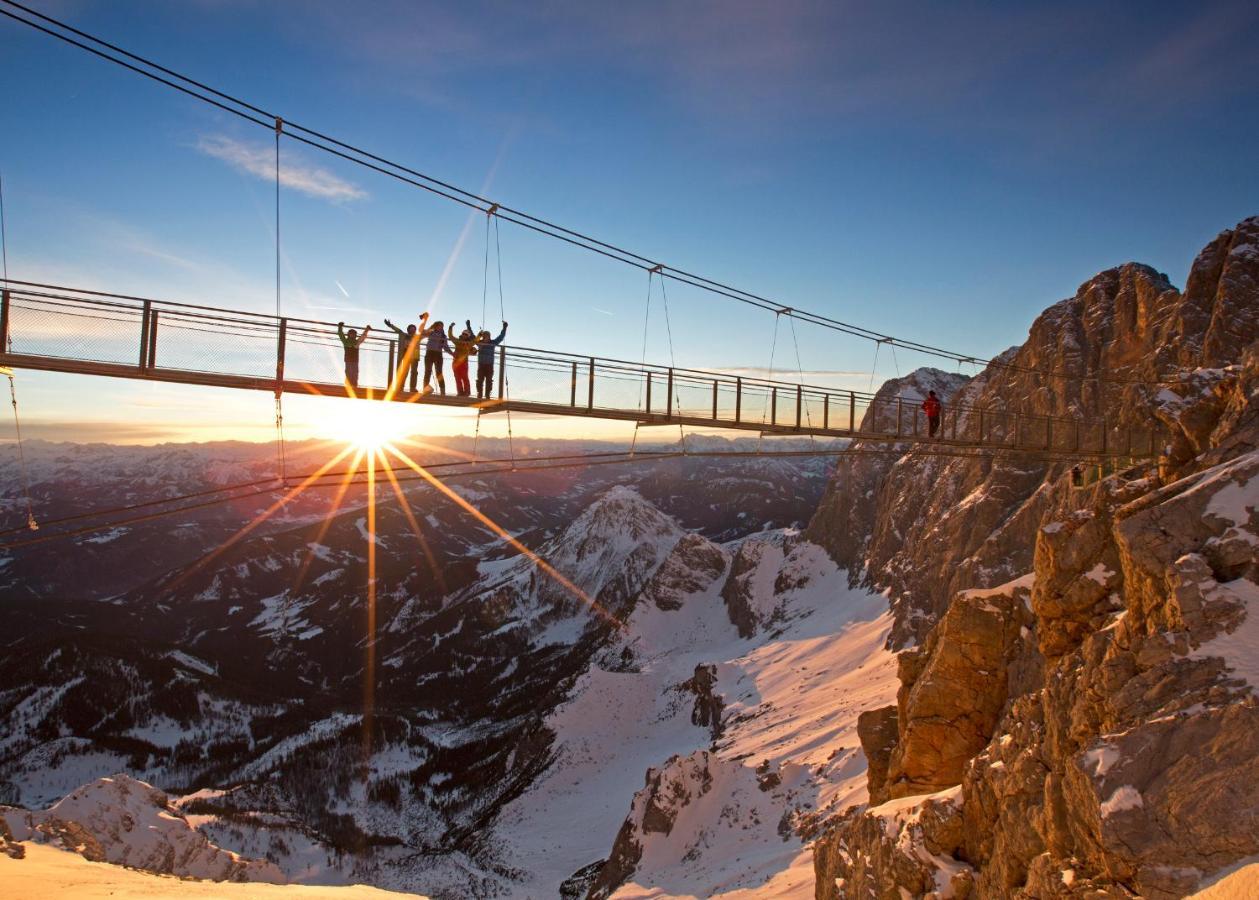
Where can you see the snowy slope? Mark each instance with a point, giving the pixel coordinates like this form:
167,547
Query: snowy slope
789,748
48,872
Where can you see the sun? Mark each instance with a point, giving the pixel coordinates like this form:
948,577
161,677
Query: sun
367,425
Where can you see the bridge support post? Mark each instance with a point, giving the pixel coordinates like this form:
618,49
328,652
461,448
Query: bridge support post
900,406
152,360
773,406
668,403
572,397
799,403
852,412
954,411
144,335
590,395
714,399
826,412
648,409
502,371
4,321
738,399
393,369
280,343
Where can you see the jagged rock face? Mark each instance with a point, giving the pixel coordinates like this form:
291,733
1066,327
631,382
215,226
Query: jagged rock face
668,789
847,515
709,704
925,528
126,822
898,849
878,731
954,689
693,565
743,595
1122,761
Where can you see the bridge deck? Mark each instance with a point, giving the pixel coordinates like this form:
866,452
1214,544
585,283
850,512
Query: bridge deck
63,330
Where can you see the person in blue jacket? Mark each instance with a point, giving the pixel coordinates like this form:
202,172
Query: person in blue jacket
485,361
433,350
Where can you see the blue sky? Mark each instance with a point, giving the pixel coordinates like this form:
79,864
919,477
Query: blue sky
937,171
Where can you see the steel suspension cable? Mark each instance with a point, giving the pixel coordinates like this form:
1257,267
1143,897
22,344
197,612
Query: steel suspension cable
354,154
31,524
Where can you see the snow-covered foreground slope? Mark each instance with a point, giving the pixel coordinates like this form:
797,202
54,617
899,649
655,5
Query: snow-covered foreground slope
48,872
791,696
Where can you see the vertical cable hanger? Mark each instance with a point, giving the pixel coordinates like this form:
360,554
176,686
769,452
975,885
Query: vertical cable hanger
279,387
17,424
651,273
677,396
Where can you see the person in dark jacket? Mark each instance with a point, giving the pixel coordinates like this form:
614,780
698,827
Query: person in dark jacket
485,362
465,346
433,350
931,407
350,343
408,351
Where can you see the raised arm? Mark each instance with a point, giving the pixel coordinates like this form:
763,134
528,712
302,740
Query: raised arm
396,330
502,334
362,337
341,331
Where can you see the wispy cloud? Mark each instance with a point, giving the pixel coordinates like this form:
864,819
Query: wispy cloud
259,160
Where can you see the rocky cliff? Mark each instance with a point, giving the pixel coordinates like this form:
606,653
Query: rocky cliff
1128,349
1090,727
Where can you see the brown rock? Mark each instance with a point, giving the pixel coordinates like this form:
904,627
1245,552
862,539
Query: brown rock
878,733
954,690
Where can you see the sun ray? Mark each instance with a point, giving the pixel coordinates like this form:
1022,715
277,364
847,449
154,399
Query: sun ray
369,648
502,533
347,478
259,519
405,505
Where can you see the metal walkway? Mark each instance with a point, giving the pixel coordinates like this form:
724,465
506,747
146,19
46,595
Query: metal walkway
58,329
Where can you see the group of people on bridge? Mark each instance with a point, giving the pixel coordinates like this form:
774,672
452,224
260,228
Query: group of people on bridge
439,341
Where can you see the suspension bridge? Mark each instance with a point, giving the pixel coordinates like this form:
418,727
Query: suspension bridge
59,329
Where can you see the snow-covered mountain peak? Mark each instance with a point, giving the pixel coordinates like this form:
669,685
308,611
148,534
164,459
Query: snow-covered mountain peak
125,821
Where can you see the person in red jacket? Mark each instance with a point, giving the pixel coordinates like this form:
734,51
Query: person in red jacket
931,406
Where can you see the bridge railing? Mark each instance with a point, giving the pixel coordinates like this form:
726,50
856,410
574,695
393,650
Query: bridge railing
150,335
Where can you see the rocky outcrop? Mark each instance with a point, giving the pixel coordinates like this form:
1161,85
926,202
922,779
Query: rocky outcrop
743,596
693,565
925,528
655,809
954,688
897,849
878,732
709,705
126,822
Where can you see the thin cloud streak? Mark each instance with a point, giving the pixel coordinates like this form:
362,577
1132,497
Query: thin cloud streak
259,160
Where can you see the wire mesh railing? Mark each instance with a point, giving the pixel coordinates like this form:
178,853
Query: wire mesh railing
144,337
